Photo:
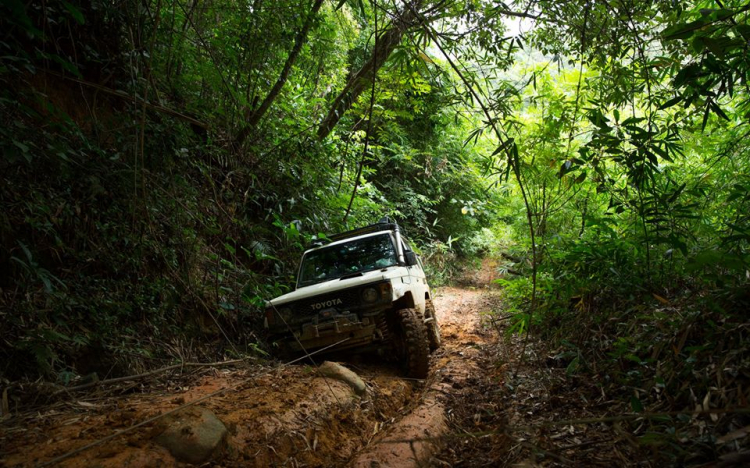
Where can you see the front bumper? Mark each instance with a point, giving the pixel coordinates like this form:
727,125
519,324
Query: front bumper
316,335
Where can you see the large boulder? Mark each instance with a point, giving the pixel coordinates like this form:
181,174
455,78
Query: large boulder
192,435
339,372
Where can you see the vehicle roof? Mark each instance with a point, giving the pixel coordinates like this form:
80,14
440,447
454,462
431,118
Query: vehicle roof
354,233
377,227
348,239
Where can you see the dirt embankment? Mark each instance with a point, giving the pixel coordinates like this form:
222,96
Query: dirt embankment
275,416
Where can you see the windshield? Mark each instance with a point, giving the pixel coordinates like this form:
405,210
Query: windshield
327,263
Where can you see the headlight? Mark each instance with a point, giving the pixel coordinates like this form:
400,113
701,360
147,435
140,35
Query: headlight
370,295
285,312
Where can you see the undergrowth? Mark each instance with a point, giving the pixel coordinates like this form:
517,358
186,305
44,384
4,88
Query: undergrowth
652,342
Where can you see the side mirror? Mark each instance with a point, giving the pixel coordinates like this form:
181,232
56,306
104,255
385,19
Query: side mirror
411,258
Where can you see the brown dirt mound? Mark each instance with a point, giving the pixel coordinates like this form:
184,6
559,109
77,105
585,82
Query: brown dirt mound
275,417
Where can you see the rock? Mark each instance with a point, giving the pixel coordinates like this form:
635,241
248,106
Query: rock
192,435
339,372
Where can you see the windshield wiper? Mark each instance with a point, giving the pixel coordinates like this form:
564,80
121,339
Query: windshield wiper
351,275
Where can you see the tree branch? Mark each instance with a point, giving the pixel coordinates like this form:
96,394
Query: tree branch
299,41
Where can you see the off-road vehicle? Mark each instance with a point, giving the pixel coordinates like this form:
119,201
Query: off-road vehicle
363,291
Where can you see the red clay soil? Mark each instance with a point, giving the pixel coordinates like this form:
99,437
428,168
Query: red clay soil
276,416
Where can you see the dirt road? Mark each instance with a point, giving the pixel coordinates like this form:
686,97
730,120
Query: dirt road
276,415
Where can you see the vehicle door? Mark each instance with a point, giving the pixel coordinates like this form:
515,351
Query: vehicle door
418,280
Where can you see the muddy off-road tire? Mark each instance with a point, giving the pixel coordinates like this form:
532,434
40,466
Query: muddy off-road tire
409,339
433,329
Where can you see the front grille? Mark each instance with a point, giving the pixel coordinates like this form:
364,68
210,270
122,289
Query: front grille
349,300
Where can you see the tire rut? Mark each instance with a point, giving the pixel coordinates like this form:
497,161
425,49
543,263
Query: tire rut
419,435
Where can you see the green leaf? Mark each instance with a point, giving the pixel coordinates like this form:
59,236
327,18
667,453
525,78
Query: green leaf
74,12
632,121
721,14
705,116
702,259
717,47
503,146
67,65
686,75
682,31
425,58
670,103
662,154
597,118
715,107
743,30
573,366
18,16
636,404
21,146
677,193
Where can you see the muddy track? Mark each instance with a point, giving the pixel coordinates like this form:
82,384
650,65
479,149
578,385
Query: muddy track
289,416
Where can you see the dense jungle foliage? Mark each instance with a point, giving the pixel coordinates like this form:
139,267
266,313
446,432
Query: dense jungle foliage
165,162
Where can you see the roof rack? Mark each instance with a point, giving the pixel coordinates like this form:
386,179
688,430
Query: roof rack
387,226
384,224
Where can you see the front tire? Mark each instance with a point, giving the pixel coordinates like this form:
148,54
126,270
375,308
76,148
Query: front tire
433,329
410,342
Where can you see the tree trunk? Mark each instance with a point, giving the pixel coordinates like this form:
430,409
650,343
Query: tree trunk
299,41
384,45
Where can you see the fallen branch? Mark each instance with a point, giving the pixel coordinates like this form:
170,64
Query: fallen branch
149,374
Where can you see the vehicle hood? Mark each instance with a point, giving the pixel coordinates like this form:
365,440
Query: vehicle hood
339,284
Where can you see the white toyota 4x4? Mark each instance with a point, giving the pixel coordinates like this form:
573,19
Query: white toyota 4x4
366,289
